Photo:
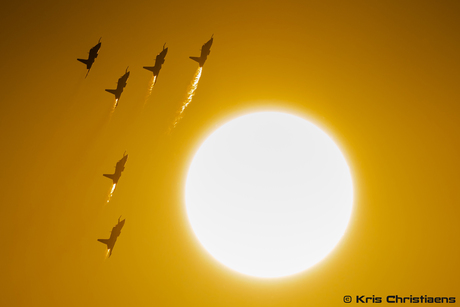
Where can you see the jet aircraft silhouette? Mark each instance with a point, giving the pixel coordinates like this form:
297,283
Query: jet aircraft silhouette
91,57
160,59
205,50
120,86
116,230
120,167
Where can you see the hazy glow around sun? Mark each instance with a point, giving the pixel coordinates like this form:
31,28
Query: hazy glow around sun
269,194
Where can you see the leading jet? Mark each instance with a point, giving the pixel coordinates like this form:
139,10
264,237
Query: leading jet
160,59
110,242
120,167
91,57
120,86
205,50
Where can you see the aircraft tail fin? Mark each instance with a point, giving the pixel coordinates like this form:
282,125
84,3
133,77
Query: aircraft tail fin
112,92
84,61
111,176
151,68
195,58
105,241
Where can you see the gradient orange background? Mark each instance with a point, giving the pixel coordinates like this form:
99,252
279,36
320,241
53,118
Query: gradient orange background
382,78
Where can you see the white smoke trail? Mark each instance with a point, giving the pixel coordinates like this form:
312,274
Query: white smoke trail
111,192
152,82
115,104
107,254
190,94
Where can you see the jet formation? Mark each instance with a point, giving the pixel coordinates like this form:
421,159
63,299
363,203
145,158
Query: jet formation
120,86
205,51
91,57
159,60
110,242
119,167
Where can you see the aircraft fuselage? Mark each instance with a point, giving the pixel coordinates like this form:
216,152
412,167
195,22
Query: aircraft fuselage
205,51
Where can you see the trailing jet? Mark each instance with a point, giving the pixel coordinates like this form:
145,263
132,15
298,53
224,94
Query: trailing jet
205,50
110,242
160,59
120,167
91,57
120,86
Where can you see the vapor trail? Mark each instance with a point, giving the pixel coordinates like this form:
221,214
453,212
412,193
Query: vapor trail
151,85
111,192
190,94
107,254
113,108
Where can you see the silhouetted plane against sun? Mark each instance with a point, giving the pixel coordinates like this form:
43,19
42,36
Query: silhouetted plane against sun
91,57
110,242
120,86
160,59
120,167
205,50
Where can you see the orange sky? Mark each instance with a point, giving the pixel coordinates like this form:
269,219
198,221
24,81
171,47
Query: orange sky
382,77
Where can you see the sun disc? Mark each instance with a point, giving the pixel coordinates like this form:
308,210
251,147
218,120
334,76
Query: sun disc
269,194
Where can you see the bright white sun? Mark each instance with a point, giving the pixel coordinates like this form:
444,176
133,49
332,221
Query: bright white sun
269,194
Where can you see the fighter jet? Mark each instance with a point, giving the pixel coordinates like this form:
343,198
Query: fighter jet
120,85
91,57
160,59
205,50
120,167
116,230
